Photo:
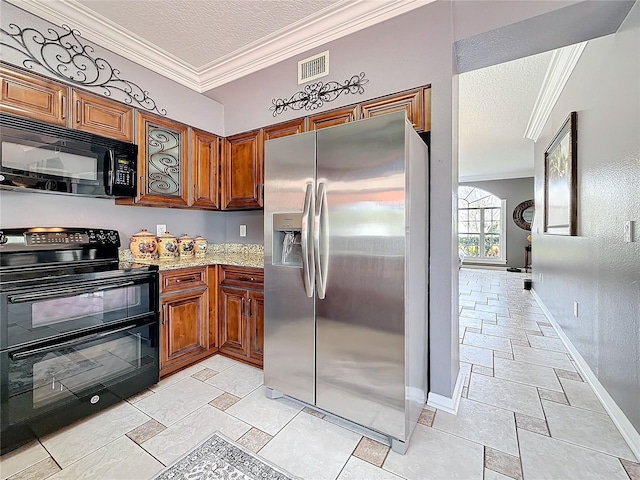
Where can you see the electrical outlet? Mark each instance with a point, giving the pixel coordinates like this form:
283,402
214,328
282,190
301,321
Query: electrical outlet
575,308
243,230
161,230
540,276
628,231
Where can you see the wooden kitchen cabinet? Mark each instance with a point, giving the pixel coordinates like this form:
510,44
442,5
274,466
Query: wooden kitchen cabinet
163,157
412,102
283,129
205,156
241,313
184,318
101,116
33,97
334,117
242,171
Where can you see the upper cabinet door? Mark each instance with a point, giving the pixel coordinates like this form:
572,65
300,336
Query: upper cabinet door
242,171
334,117
205,154
33,97
283,129
162,161
102,116
412,102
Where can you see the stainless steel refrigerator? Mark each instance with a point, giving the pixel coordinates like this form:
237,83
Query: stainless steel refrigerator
346,269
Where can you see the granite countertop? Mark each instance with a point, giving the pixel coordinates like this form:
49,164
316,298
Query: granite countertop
218,254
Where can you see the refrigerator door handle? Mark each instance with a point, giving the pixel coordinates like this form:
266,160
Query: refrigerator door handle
308,267
320,240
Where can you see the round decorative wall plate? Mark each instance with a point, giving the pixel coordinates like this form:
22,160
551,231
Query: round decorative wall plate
523,214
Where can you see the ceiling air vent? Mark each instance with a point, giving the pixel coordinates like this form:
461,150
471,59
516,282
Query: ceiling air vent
313,67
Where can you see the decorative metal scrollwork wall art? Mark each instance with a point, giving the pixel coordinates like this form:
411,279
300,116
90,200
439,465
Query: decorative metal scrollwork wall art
316,94
63,55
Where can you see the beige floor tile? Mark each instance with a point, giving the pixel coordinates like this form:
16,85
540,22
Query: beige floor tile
264,413
71,443
315,413
311,448
503,331
487,341
505,394
204,374
585,428
569,375
40,470
491,475
476,355
533,424
21,458
526,373
219,363
549,458
176,377
192,430
178,400
553,396
119,459
357,469
499,354
632,468
145,431
547,343
542,357
482,370
469,322
548,331
503,463
371,451
517,322
492,309
254,439
481,423
426,416
580,394
139,396
477,314
224,401
239,380
448,457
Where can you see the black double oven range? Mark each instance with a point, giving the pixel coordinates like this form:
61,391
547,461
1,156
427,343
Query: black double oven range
78,329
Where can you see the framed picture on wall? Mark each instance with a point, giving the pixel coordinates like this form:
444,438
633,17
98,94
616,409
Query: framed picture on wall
560,180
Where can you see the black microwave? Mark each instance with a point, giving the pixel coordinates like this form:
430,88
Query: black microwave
49,158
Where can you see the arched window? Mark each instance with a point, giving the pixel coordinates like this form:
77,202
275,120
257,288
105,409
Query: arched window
481,225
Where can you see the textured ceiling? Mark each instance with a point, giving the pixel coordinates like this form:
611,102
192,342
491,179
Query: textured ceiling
200,32
495,106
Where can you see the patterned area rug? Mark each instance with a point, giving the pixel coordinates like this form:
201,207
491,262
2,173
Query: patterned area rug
220,458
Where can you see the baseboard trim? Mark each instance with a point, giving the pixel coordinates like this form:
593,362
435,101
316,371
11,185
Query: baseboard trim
446,404
627,430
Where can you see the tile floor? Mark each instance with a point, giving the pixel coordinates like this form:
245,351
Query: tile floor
526,413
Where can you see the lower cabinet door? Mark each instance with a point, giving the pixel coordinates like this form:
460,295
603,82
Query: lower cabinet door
232,305
184,327
256,325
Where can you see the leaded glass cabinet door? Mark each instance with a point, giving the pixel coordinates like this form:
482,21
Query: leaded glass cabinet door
163,161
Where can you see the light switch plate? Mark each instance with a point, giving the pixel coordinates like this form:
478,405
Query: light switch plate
161,230
243,230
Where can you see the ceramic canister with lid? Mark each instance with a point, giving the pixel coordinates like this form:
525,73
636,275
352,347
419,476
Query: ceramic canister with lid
167,245
186,246
201,245
143,245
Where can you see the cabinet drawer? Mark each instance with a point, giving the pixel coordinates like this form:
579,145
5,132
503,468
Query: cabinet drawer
183,279
252,278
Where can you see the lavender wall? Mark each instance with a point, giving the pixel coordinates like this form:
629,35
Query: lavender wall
596,267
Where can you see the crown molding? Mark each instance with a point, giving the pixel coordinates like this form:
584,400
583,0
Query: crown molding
329,24
495,176
562,63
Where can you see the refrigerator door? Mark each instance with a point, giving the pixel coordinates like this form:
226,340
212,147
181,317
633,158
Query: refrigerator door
289,311
360,265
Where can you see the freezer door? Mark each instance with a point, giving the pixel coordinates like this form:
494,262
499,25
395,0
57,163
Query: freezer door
360,248
289,324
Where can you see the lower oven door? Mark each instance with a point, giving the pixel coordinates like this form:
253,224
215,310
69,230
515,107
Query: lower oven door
71,377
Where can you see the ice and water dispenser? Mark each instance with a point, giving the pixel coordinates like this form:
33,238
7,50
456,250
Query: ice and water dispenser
287,246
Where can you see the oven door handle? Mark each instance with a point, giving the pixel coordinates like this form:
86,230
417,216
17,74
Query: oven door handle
51,348
30,297
70,343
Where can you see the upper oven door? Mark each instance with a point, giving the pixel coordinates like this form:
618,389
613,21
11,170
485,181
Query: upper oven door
34,314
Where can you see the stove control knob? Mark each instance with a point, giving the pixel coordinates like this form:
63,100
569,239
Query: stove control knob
3,238
102,237
113,237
